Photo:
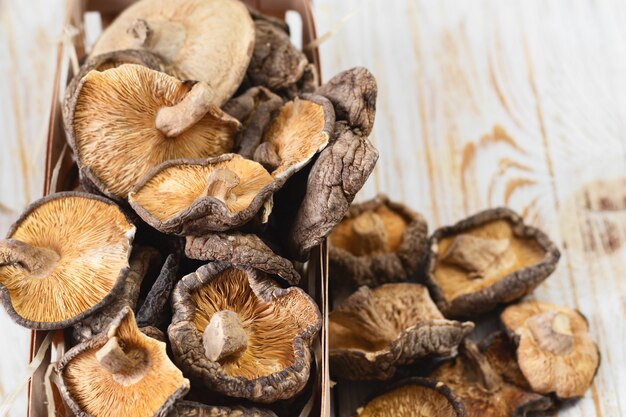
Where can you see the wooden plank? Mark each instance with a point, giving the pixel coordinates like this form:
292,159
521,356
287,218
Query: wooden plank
510,103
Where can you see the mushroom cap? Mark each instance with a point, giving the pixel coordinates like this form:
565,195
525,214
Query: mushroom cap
482,389
488,259
241,249
555,352
301,129
193,409
375,330
412,397
148,389
204,40
280,325
174,198
110,123
394,251
92,239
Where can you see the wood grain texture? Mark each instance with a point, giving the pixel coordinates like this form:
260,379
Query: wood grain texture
519,104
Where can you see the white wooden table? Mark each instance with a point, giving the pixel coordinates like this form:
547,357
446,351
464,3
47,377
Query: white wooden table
481,104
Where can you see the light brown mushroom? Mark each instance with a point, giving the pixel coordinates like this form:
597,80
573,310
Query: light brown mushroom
374,331
120,372
204,40
64,258
554,352
193,197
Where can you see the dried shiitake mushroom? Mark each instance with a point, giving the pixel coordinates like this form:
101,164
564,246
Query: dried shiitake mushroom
64,258
240,334
197,196
353,94
241,249
140,262
482,389
124,121
488,259
204,40
337,175
301,129
193,409
499,350
554,352
120,372
378,241
254,109
375,330
414,397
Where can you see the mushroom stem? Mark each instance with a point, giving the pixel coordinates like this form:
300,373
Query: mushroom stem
488,376
476,254
224,336
174,120
141,31
126,367
266,155
552,331
36,260
370,235
220,184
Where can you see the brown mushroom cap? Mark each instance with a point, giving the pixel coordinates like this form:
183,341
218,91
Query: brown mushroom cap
193,409
120,372
258,334
373,331
378,241
124,121
414,397
554,352
301,129
482,389
204,40
488,259
241,249
193,197
64,258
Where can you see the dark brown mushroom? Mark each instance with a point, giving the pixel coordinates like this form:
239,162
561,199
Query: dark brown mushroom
555,352
205,40
374,331
488,259
64,259
353,94
482,389
197,196
124,121
378,241
241,249
337,175
254,109
193,409
120,372
499,350
241,335
141,260
414,397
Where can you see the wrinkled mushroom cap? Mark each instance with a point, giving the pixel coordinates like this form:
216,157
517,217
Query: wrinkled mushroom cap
193,197
488,259
378,241
302,128
373,331
554,352
414,397
135,378
66,257
193,409
260,333
204,40
112,118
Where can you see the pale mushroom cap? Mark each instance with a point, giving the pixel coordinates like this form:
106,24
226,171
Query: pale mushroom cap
99,393
409,401
175,188
566,369
93,240
113,126
203,40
